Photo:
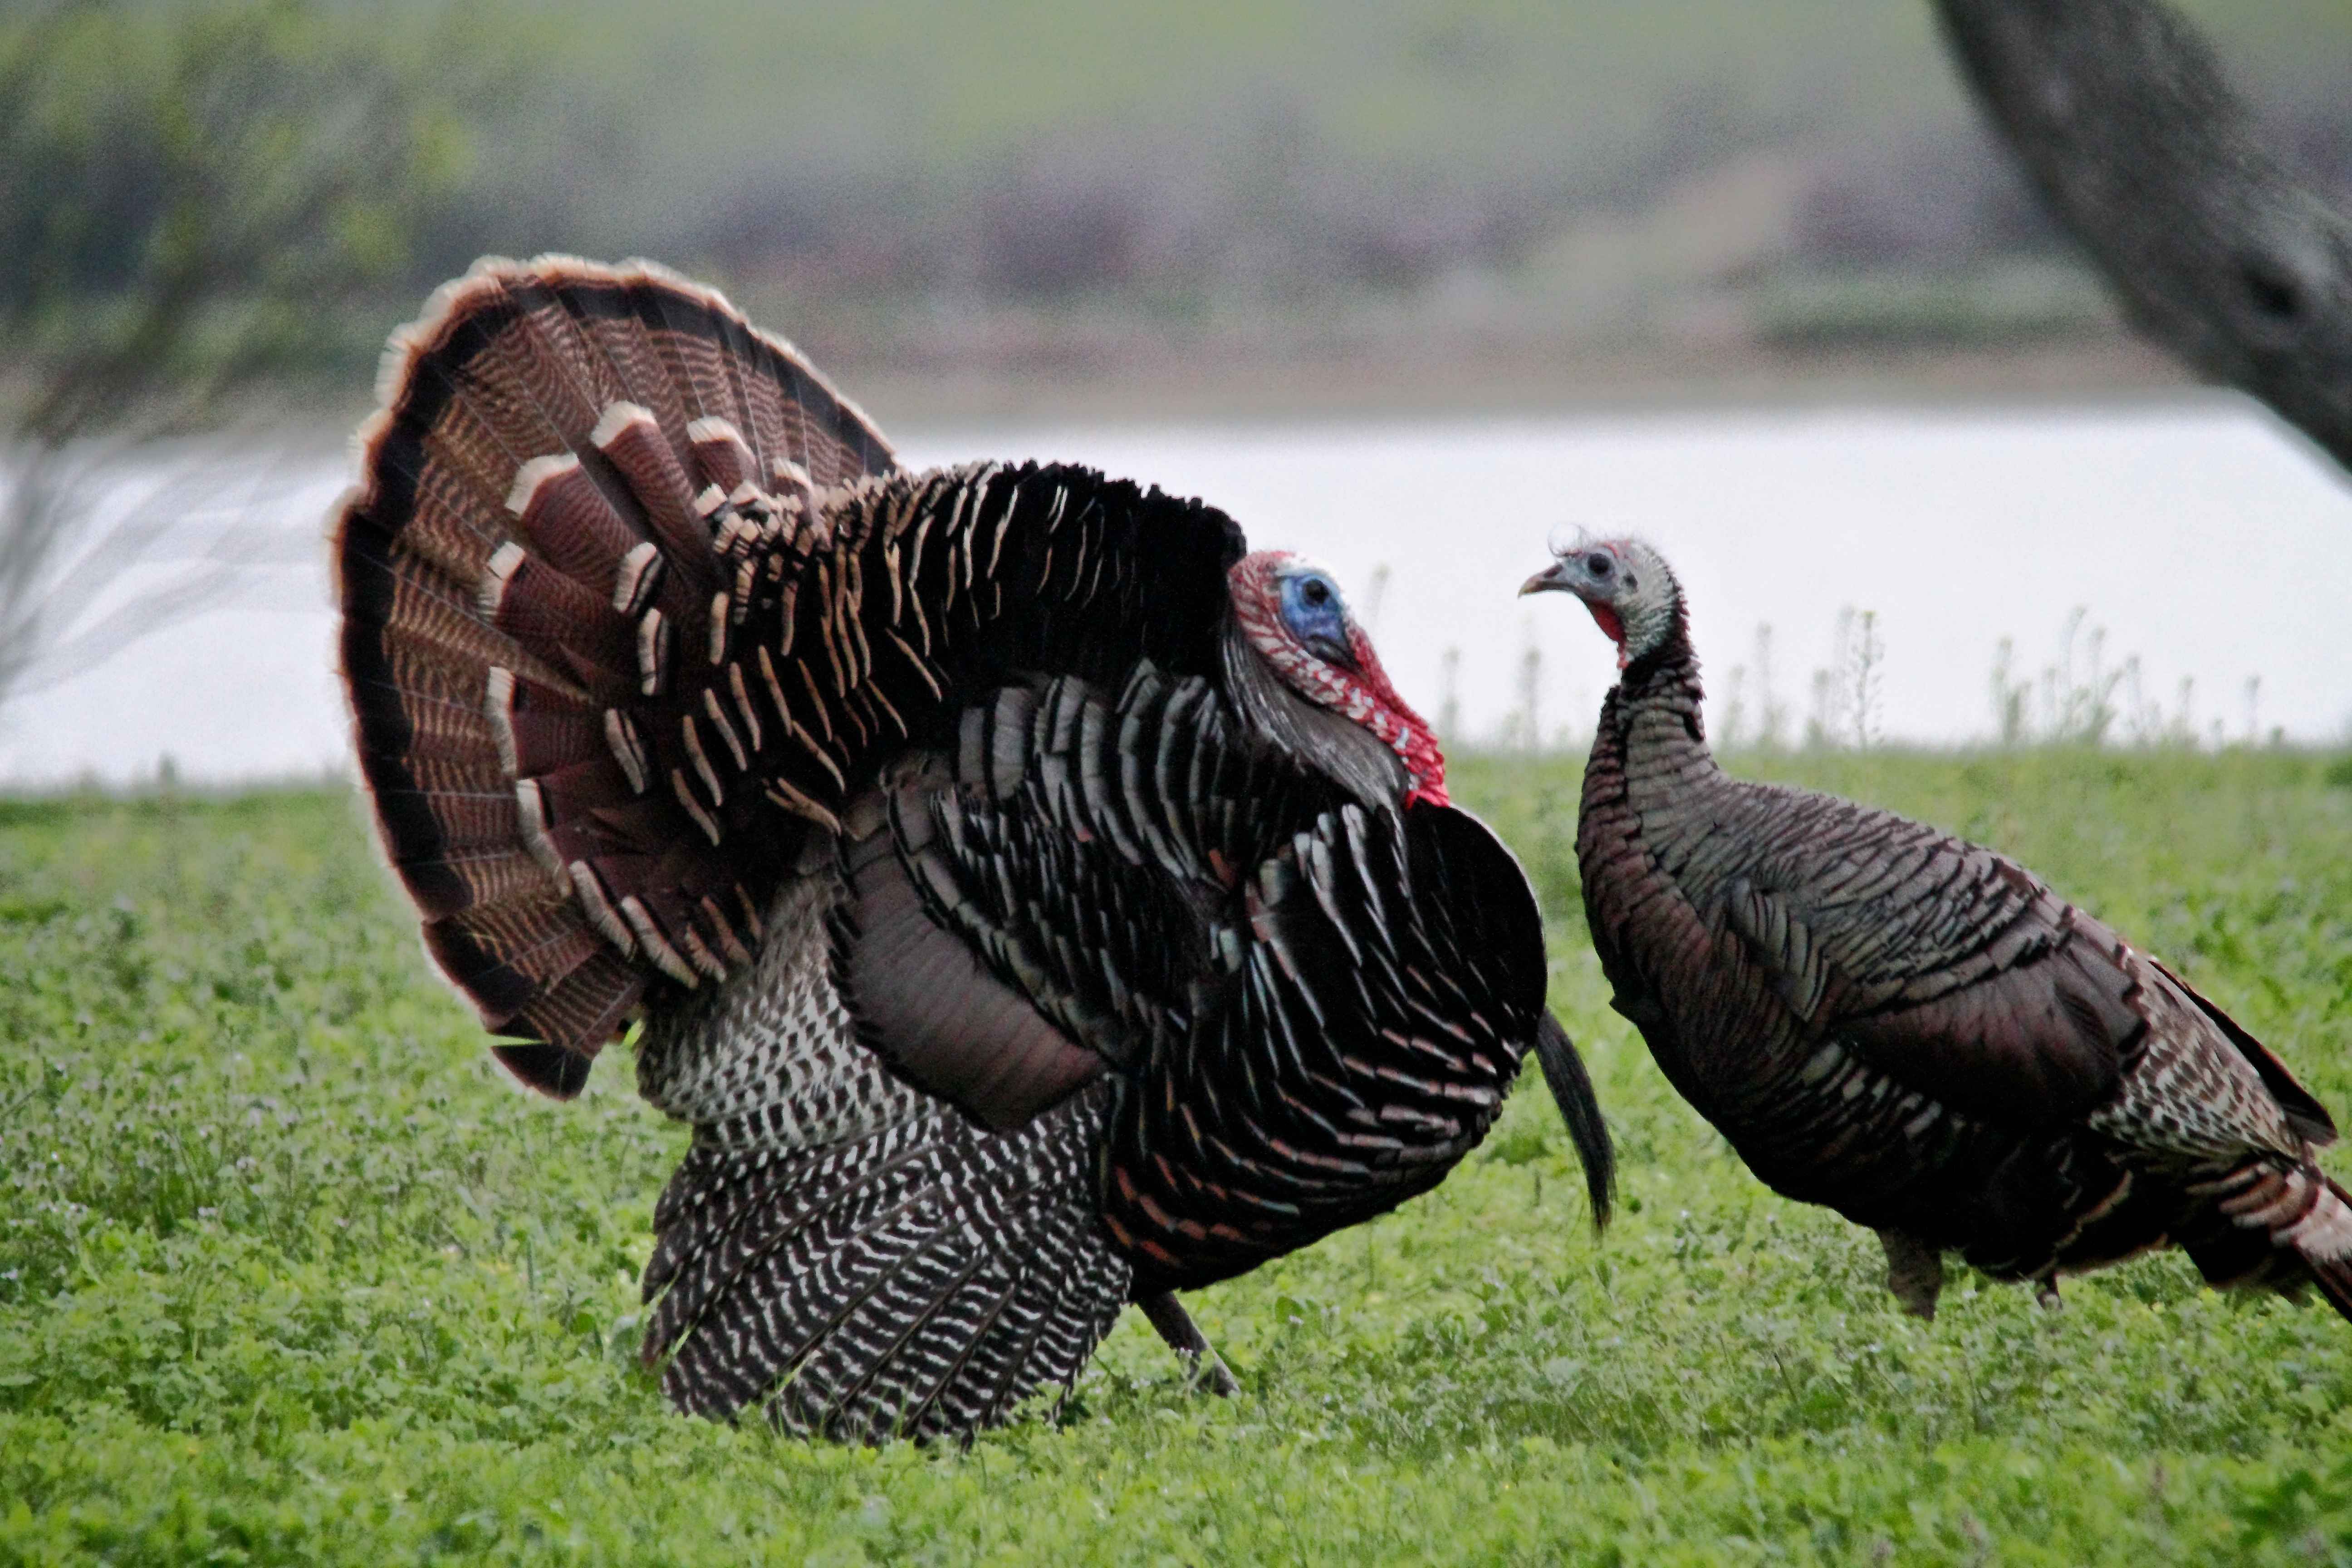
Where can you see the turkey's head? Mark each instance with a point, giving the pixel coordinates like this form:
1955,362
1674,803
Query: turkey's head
1303,672
1626,584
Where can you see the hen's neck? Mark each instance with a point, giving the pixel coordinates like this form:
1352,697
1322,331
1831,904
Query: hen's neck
1652,749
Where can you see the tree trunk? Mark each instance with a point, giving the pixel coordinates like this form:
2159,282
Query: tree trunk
2119,112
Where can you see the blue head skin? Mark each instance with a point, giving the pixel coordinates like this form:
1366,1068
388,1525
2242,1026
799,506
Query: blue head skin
1318,617
1294,623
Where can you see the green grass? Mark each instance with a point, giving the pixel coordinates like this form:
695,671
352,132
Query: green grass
290,1273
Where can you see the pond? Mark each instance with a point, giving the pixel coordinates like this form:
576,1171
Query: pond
2191,531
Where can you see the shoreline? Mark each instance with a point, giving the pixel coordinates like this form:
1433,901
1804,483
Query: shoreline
1383,382
1783,512
1533,379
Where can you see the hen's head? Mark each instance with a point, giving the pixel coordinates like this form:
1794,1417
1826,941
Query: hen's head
1627,586
1290,613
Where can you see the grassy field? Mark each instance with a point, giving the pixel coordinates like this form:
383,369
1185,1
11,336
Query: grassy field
290,1273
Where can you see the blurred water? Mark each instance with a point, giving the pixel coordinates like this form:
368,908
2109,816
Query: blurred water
2200,536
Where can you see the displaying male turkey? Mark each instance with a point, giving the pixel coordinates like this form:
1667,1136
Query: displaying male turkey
1034,903
1913,1031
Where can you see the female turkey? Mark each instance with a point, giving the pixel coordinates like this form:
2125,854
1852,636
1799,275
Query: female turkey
1034,903
1913,1031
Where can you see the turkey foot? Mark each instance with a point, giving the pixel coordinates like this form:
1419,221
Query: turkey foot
1202,1362
1914,1272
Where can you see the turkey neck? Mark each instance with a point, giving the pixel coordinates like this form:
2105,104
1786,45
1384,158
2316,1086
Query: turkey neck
1650,758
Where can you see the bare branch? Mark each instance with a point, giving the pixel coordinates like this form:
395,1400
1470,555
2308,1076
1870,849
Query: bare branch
90,562
2121,114
190,196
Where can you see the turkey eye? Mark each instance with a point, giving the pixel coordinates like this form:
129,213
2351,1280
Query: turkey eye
1599,565
1314,591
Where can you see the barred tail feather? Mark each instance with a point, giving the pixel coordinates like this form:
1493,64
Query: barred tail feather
841,1249
2323,1239
521,559
2269,1225
2334,1277
918,1282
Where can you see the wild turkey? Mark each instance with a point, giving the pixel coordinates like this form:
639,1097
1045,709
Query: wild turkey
1034,903
1914,1031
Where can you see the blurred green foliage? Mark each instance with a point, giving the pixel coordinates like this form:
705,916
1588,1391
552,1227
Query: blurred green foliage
290,1273
194,186
193,196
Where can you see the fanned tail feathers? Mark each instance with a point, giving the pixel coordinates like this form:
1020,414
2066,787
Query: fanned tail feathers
530,551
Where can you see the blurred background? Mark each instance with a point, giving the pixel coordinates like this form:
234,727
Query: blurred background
1414,287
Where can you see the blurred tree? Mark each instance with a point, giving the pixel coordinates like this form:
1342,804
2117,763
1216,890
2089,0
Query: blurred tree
190,197
2121,114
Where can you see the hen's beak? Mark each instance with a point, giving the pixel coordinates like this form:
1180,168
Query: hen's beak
1552,579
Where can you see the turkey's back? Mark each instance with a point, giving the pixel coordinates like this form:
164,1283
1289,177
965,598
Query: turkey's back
1664,838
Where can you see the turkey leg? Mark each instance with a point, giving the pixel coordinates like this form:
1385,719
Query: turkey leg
1183,1336
1914,1272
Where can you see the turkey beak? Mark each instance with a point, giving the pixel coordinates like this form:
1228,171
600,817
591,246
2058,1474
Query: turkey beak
1552,579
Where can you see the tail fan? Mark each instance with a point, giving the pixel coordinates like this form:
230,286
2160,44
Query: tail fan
1571,1091
526,544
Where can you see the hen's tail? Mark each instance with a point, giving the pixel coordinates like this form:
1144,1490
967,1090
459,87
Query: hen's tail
2323,1239
2275,1225
538,570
